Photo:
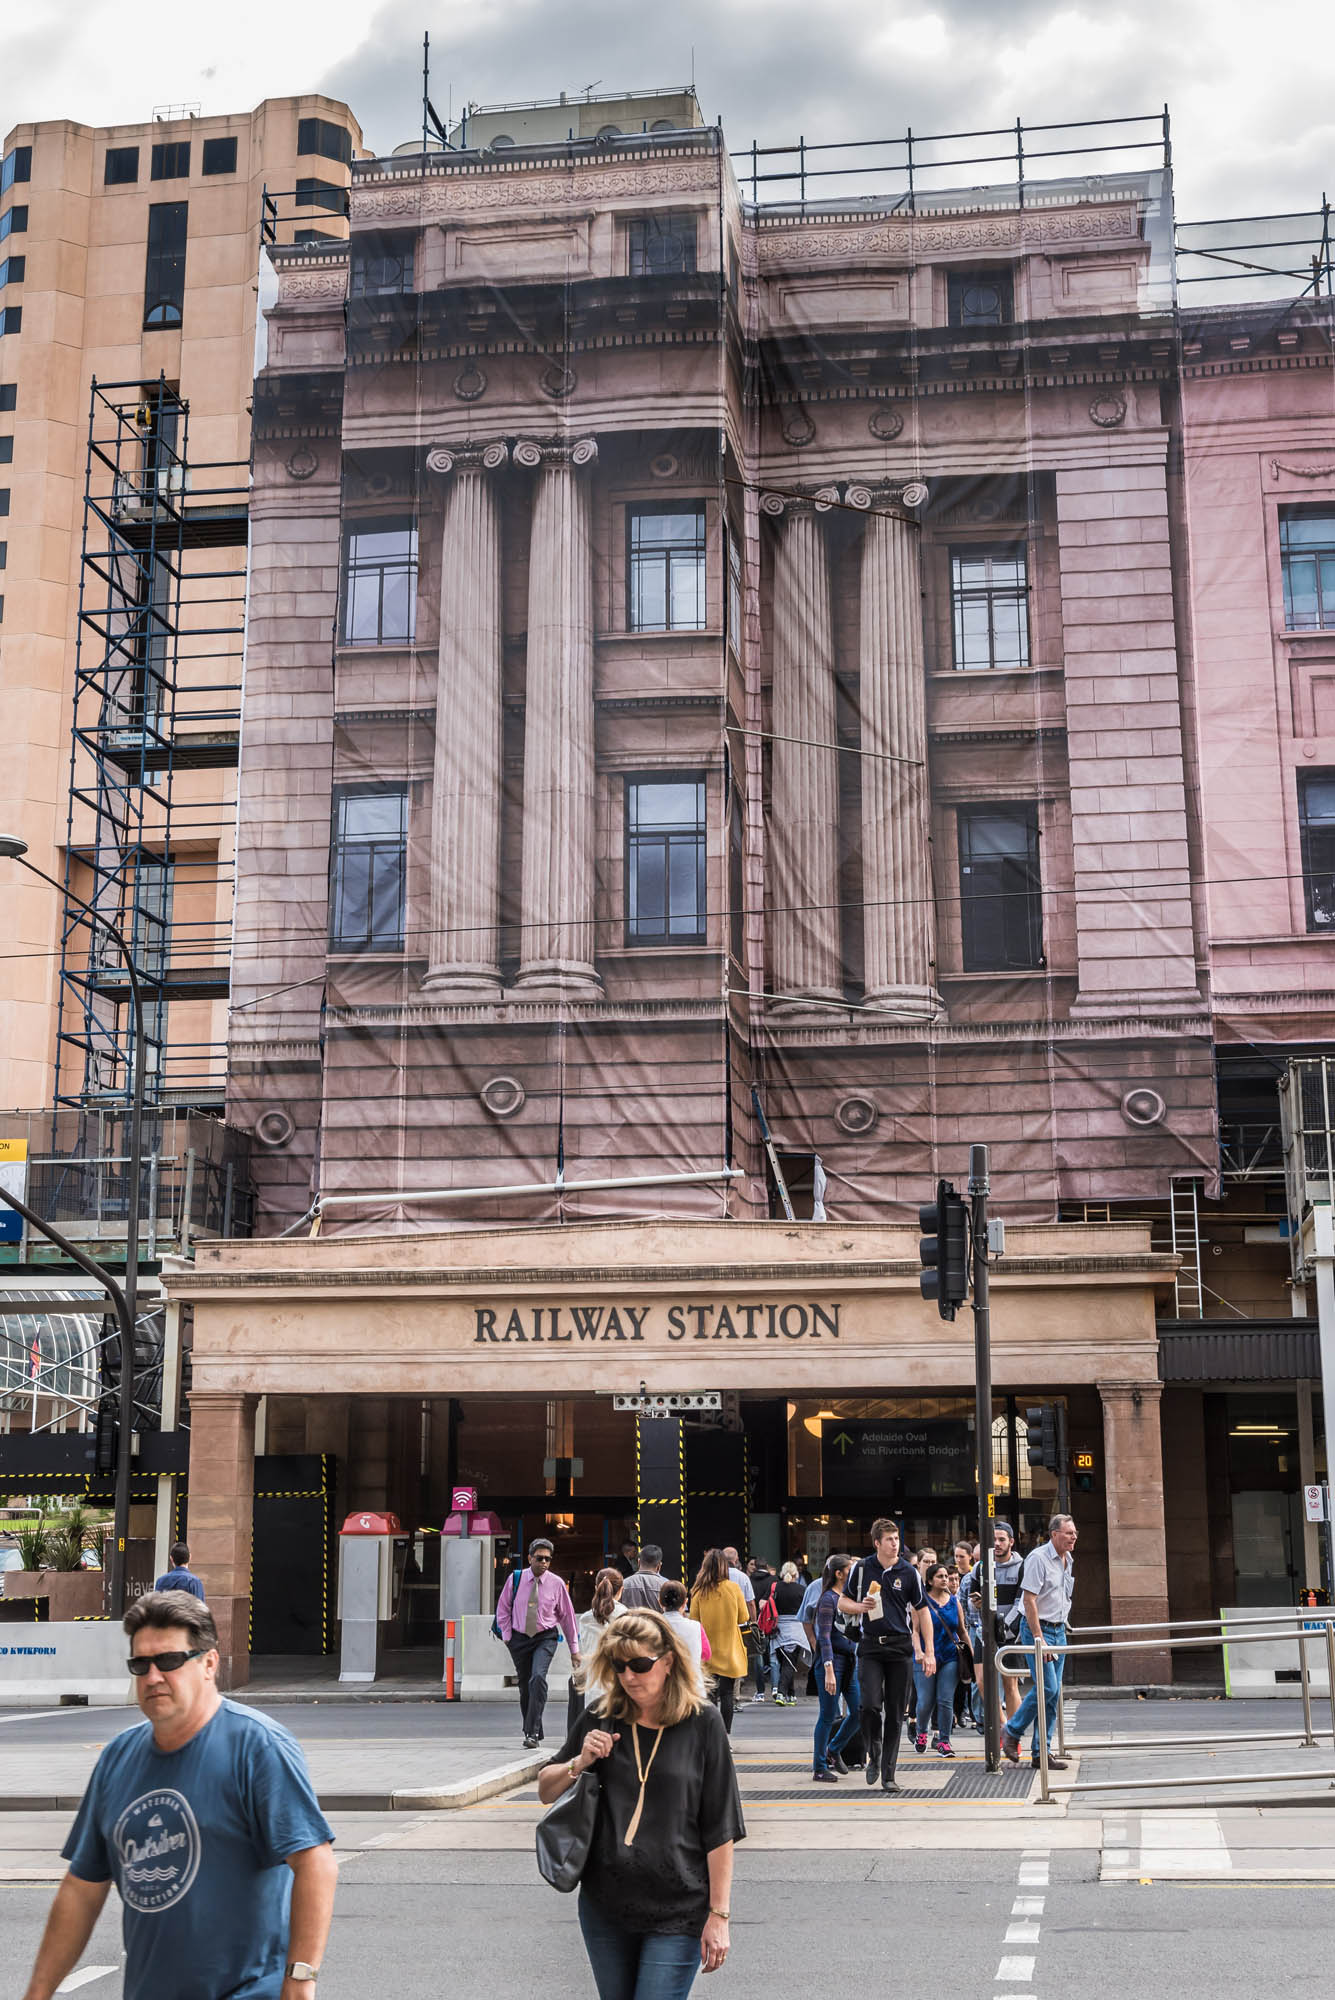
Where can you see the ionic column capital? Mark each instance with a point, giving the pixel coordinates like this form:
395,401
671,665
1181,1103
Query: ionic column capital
444,459
901,498
533,452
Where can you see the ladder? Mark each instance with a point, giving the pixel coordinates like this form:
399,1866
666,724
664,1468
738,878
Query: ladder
1185,1221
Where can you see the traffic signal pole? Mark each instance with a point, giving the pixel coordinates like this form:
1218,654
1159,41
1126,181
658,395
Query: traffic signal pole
982,1424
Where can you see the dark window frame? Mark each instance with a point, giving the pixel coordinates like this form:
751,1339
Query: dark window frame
120,166
6,450
356,568
4,500
389,268
218,155
735,592
1321,554
11,319
169,160
386,873
331,142
1316,839
670,839
662,245
984,278
9,395
1013,909
15,167
12,270
14,221
311,192
642,561
991,594
164,265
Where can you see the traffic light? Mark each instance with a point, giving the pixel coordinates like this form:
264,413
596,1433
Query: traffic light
944,1250
1041,1421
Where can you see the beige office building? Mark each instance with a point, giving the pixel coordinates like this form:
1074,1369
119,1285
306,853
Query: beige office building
128,256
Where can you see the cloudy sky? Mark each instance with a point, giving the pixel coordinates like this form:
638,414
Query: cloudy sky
1250,87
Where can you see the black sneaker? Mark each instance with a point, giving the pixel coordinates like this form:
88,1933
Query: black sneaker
530,1742
838,1766
1054,1764
890,1786
824,1778
873,1769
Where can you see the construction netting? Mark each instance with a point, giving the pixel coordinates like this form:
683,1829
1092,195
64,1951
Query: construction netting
718,732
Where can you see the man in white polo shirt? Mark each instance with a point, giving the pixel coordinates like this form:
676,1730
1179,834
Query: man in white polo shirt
1046,1587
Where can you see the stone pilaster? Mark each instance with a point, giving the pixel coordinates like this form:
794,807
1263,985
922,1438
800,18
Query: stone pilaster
557,883
1134,1497
899,926
463,954
222,1503
807,973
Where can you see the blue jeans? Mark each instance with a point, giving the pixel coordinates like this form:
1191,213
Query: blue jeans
628,1967
1026,1715
938,1692
922,1694
831,1735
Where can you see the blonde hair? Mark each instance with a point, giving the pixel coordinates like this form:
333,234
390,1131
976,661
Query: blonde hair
788,1574
625,1638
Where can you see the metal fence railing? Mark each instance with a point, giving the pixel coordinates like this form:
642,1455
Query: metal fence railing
1304,1626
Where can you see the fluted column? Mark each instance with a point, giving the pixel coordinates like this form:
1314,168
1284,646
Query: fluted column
557,884
463,948
806,959
899,929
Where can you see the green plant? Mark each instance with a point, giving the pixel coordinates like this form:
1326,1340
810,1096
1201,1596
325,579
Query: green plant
70,1535
33,1541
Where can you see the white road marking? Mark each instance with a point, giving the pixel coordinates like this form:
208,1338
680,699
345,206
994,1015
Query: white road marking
1021,1933
1015,1968
1027,1906
1033,1876
84,1977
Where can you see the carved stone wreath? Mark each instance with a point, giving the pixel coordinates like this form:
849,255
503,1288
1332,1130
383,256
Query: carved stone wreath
303,464
857,1115
798,429
1107,411
1143,1106
558,382
470,383
503,1096
885,422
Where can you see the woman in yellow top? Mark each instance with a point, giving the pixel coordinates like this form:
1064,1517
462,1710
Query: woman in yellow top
719,1605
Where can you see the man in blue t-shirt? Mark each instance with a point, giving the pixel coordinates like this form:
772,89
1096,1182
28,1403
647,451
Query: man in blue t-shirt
180,1576
206,1821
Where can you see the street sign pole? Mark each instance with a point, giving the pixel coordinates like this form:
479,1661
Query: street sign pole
982,1361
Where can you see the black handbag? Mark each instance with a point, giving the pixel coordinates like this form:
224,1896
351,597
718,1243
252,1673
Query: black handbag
565,1832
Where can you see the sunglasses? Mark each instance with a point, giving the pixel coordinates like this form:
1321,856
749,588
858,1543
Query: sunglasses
166,1663
643,1663
540,1559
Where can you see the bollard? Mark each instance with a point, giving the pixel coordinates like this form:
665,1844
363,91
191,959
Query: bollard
451,1631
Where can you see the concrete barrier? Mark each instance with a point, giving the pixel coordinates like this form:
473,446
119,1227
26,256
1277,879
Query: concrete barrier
486,1669
41,1663
1271,1667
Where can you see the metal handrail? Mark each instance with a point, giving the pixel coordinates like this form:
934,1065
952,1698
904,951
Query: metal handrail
1301,1622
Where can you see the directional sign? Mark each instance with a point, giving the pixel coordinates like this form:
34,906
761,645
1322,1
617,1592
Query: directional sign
868,1461
14,1177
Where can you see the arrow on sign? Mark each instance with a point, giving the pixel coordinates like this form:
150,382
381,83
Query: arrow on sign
844,1442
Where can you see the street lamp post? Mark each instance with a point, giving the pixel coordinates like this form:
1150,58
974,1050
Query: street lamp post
125,1298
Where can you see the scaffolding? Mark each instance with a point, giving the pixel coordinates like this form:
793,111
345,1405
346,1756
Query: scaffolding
154,749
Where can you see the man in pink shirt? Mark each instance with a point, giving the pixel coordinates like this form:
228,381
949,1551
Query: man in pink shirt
534,1610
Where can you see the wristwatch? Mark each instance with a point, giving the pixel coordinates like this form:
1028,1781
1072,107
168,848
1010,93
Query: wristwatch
300,1970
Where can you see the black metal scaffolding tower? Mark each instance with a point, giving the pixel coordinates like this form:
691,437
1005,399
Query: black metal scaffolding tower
153,753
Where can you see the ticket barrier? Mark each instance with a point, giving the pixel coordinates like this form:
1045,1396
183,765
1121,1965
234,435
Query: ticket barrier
372,1555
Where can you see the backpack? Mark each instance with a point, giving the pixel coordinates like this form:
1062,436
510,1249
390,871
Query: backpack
767,1617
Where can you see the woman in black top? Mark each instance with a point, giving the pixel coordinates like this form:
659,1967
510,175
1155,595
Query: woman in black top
653,1905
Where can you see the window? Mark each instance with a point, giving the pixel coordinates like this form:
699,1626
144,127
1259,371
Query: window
13,222
381,593
4,555
170,161
321,194
1001,911
164,272
220,156
1307,558
120,168
11,319
152,915
12,269
1316,823
6,451
4,499
666,568
331,142
16,166
737,878
368,869
665,861
735,594
990,607
979,298
661,243
381,265
315,236
9,395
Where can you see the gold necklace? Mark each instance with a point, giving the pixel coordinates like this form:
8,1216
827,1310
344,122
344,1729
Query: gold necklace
642,1773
